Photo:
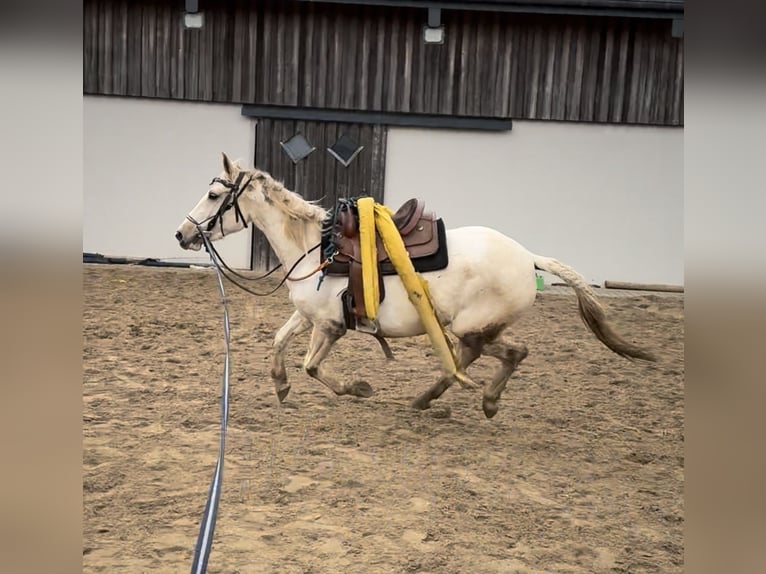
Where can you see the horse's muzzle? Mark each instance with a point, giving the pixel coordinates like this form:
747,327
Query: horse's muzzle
194,242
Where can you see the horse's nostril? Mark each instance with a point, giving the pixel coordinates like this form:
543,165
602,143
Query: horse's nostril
179,236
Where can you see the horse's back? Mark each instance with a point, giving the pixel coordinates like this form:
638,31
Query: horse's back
478,237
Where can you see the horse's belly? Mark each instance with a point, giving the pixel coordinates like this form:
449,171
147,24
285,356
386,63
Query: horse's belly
490,279
397,317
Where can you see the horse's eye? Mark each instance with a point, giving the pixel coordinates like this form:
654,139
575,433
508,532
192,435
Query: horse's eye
212,195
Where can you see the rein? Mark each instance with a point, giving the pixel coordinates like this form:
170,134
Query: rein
219,263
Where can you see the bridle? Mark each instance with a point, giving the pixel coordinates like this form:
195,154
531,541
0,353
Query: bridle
232,200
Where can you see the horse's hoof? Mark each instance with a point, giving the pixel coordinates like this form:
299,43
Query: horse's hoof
386,348
282,393
361,389
421,404
489,407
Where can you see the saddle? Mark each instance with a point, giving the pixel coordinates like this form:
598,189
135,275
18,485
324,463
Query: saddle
421,231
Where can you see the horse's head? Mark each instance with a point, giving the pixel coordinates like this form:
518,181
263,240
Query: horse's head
238,197
219,212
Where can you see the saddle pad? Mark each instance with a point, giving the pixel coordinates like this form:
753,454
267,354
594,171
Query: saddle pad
432,262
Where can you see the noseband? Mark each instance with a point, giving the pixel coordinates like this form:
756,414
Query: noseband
232,200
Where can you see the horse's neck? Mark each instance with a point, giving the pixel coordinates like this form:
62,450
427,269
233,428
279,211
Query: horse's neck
290,247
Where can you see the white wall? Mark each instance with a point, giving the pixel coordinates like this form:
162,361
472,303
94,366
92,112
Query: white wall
607,200
146,164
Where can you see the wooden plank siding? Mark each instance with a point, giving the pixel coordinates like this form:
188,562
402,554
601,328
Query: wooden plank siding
373,58
319,176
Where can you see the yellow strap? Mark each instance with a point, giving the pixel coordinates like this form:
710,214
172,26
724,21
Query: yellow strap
417,290
369,253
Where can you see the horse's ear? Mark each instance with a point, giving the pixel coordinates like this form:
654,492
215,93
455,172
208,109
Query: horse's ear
226,163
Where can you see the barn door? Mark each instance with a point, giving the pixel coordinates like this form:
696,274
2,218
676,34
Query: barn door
296,152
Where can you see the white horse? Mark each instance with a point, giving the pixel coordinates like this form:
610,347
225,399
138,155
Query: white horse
488,284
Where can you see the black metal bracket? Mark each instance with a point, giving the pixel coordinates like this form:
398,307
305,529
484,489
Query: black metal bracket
434,17
377,117
677,31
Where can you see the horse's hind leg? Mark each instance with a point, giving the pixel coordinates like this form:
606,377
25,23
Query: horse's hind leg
468,350
323,337
509,356
295,325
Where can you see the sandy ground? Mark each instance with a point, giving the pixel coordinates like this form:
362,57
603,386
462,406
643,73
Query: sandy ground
581,471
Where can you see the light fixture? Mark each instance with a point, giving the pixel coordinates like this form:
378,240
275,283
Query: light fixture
433,33
193,18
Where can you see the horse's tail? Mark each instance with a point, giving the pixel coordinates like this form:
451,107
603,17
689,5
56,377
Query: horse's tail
591,310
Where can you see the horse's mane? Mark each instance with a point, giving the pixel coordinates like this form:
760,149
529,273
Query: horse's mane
295,207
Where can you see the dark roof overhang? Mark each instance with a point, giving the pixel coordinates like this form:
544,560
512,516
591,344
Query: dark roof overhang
665,9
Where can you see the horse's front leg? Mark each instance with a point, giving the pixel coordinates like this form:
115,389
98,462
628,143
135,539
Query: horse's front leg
295,325
323,337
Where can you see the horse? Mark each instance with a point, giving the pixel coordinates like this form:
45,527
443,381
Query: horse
488,284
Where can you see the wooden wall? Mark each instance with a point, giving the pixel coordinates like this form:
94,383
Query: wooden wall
319,176
373,58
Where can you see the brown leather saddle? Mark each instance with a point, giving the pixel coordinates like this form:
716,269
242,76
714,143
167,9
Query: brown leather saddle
423,235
